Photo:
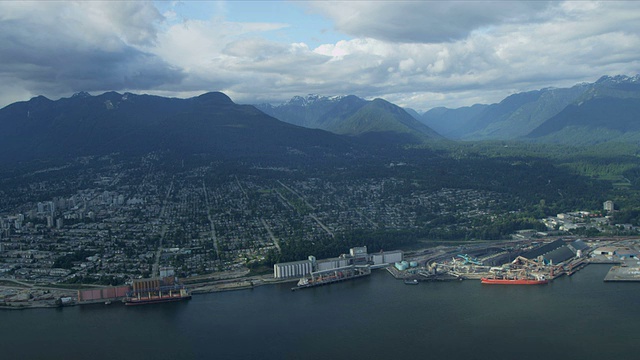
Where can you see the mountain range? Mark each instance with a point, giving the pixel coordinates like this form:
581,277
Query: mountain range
351,115
112,122
587,113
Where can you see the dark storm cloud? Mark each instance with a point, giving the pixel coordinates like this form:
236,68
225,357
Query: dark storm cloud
68,67
46,51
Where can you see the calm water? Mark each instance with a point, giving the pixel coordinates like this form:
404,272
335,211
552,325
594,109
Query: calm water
376,317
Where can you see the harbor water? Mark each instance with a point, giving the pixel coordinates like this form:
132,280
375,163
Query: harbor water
373,317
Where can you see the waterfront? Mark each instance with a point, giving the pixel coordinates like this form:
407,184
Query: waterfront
373,317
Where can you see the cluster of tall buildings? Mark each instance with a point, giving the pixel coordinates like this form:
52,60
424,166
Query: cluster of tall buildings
55,212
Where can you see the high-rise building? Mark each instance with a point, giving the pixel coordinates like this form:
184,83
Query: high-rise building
608,205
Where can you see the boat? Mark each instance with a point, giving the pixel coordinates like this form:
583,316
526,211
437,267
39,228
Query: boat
331,276
154,298
540,281
411,282
156,290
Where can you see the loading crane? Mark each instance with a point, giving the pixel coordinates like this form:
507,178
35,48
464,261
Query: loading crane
469,260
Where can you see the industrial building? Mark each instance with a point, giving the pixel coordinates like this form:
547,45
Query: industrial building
557,251
292,269
389,257
357,256
333,263
605,250
621,252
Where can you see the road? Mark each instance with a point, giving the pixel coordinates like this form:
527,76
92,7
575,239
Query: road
214,237
155,270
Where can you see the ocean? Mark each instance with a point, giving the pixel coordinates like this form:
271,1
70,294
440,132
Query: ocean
376,317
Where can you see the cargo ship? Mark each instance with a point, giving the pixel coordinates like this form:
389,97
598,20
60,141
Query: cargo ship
331,276
159,297
155,290
540,281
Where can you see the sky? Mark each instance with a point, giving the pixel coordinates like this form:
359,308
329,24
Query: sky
417,54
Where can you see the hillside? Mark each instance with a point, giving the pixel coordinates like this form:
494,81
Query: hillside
380,116
452,123
112,122
351,115
513,117
519,115
592,121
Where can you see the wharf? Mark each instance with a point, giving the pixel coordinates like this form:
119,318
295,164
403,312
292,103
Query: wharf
623,274
474,276
327,282
331,276
423,275
575,265
226,286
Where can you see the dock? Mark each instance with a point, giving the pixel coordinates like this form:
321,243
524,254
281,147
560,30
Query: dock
623,274
331,276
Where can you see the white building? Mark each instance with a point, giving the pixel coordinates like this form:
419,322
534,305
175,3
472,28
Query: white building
388,257
357,256
605,250
292,269
327,264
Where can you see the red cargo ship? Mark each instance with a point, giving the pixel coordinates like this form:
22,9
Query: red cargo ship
514,281
155,290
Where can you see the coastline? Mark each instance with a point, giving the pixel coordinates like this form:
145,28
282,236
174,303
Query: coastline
21,295
195,289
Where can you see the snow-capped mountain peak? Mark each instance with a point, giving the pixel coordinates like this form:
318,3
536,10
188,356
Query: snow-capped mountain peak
311,99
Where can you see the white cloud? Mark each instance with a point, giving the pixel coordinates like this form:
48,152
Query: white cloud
418,54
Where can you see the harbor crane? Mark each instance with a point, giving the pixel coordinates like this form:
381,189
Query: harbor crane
469,260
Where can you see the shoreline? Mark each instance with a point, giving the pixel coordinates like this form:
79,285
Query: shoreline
22,296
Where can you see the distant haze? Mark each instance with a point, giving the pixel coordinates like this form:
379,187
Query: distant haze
415,54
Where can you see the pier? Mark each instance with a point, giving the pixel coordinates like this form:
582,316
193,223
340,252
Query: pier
623,274
325,277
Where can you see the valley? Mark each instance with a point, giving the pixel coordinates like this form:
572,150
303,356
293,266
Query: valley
104,189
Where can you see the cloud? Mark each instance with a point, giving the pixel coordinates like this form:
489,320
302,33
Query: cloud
524,47
425,21
566,44
55,48
417,54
